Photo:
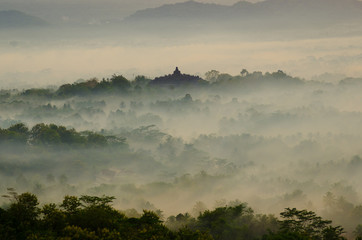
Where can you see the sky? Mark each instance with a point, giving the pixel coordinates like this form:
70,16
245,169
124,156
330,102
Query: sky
41,58
55,66
27,63
52,8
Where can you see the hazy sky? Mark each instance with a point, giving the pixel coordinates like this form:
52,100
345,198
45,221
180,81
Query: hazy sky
303,58
24,64
123,6
52,9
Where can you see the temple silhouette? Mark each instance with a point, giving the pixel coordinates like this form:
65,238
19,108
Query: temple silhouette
177,79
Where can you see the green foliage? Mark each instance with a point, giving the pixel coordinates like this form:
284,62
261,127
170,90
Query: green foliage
285,236
20,128
226,222
54,219
45,134
93,218
358,231
38,92
235,221
306,225
78,233
17,133
96,201
53,135
148,226
212,75
120,83
188,234
78,88
91,212
141,81
71,204
117,83
95,139
22,216
252,80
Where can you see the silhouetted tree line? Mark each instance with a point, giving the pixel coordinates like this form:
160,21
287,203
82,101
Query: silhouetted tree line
92,217
53,135
119,84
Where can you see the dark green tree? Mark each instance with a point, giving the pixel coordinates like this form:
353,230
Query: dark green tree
23,214
307,225
120,83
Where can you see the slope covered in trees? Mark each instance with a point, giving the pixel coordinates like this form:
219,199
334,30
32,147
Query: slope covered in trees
92,217
270,139
15,19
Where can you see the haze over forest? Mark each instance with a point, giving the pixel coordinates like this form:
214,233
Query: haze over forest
84,39
263,107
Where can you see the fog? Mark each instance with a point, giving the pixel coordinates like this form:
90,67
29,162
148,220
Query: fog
25,67
86,11
284,134
67,50
272,145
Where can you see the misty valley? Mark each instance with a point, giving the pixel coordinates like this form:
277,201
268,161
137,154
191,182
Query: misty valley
183,157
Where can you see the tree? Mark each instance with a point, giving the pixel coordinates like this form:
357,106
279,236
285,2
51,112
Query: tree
212,75
224,77
94,139
227,222
198,208
23,214
70,136
307,224
141,81
78,233
119,82
89,201
44,134
279,74
17,133
358,232
187,234
71,204
92,212
54,219
244,72
19,128
148,226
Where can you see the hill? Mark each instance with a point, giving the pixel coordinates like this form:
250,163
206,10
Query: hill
266,15
17,19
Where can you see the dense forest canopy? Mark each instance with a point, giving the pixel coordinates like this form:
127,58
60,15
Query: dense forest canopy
177,119
92,217
278,142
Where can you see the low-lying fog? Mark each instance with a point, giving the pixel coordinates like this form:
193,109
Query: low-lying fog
26,64
270,146
273,144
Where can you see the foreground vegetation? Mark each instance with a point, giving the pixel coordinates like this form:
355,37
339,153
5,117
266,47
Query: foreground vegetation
53,135
92,217
272,140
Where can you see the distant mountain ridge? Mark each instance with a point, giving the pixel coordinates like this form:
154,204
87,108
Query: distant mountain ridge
260,15
17,19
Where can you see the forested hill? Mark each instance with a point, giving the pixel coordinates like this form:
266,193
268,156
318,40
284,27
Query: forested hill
94,218
246,16
118,84
15,19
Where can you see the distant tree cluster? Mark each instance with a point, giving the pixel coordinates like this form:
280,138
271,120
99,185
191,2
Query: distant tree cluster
93,218
255,79
53,135
38,92
117,83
